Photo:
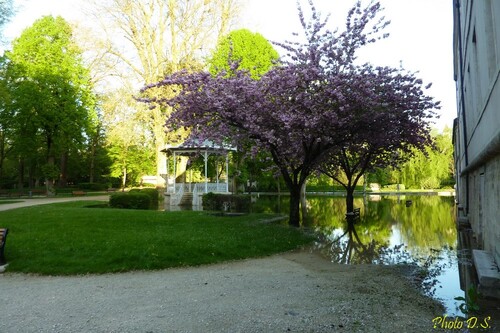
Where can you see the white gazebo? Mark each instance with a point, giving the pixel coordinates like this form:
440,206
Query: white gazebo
190,193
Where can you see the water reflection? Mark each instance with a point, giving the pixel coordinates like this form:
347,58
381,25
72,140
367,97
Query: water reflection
345,246
415,230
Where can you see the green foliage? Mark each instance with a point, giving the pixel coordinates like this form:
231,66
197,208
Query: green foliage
130,161
50,171
428,170
123,139
395,187
153,196
130,200
252,51
54,81
69,238
381,176
225,202
93,186
257,170
431,169
469,304
50,97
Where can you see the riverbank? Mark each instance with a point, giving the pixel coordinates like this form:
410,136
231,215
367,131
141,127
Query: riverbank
444,193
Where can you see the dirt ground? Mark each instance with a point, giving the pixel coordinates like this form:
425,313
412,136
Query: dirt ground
293,292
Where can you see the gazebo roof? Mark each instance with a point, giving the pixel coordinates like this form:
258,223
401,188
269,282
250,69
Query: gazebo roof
194,146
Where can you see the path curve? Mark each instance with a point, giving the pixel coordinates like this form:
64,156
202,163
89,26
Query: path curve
298,291
292,292
24,202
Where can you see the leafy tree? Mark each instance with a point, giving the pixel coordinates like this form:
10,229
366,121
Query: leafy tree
309,106
430,168
159,37
51,95
5,137
125,140
129,162
250,50
6,11
390,122
253,53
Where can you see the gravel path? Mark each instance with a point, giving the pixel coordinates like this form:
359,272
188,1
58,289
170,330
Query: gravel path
297,292
44,201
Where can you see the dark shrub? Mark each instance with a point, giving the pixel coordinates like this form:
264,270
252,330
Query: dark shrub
210,201
93,186
130,200
153,195
223,202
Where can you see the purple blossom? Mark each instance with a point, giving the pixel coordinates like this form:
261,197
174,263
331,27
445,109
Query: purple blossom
311,106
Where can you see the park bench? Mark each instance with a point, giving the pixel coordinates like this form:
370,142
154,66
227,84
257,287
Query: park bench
77,193
3,238
4,193
37,192
111,189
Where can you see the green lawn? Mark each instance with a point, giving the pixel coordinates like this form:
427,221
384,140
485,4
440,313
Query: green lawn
70,238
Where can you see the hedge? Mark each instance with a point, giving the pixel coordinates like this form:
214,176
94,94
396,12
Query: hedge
93,186
130,200
152,193
222,202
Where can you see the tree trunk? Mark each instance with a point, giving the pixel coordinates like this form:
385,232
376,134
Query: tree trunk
92,160
2,153
31,176
20,177
349,199
63,179
295,205
49,181
161,164
124,178
303,203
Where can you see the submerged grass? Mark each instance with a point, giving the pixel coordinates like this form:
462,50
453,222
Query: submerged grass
70,238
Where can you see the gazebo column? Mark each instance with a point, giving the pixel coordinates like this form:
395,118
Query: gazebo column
175,169
217,173
227,172
168,172
206,172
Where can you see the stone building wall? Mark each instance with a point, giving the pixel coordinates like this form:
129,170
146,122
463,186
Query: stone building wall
477,126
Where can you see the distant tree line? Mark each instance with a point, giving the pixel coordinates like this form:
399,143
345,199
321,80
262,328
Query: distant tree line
69,110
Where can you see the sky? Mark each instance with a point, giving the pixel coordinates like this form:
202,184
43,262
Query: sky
420,34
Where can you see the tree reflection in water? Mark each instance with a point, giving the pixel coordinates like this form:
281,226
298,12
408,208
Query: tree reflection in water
421,236
347,248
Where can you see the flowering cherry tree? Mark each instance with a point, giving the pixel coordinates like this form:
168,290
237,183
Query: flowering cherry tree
306,109
390,122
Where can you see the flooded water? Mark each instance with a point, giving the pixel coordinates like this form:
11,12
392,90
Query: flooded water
416,230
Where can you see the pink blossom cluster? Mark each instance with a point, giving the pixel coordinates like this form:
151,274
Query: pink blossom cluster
312,106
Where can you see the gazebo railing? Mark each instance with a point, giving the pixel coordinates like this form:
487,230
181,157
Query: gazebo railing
198,187
175,198
211,187
197,201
